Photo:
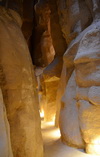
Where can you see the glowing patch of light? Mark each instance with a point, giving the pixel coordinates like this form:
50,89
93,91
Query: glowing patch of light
42,114
97,140
93,155
95,147
55,133
52,133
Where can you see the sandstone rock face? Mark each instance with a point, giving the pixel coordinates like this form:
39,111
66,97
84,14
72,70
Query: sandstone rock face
74,16
51,77
60,91
69,86
43,49
18,86
87,62
69,122
82,56
94,95
59,43
5,142
51,43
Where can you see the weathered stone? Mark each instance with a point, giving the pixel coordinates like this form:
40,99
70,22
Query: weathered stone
82,93
83,55
19,89
74,16
47,48
87,59
58,41
60,91
51,77
69,123
43,49
94,95
89,116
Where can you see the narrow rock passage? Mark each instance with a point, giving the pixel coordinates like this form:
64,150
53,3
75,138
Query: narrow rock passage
53,147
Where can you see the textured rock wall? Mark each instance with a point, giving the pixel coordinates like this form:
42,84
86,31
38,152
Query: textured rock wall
51,76
79,114
43,51
19,87
65,40
75,26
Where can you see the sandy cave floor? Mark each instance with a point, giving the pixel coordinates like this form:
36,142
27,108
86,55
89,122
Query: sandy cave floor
53,147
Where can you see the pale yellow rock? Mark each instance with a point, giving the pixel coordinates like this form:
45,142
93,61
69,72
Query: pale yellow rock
89,116
82,93
87,60
51,77
19,91
69,122
60,91
93,149
83,55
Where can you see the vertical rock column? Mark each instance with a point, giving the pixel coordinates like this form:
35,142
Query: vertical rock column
19,87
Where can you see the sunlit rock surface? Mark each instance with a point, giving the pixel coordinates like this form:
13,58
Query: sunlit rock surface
87,62
69,122
19,87
83,56
51,76
64,41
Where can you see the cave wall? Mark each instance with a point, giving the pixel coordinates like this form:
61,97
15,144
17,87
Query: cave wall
71,93
79,114
18,84
63,37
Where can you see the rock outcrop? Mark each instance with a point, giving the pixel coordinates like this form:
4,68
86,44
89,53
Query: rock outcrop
83,57
18,86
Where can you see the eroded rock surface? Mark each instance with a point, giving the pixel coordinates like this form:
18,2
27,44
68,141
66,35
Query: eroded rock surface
83,56
66,42
19,87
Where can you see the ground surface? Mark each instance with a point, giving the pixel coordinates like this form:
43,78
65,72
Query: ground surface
53,147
